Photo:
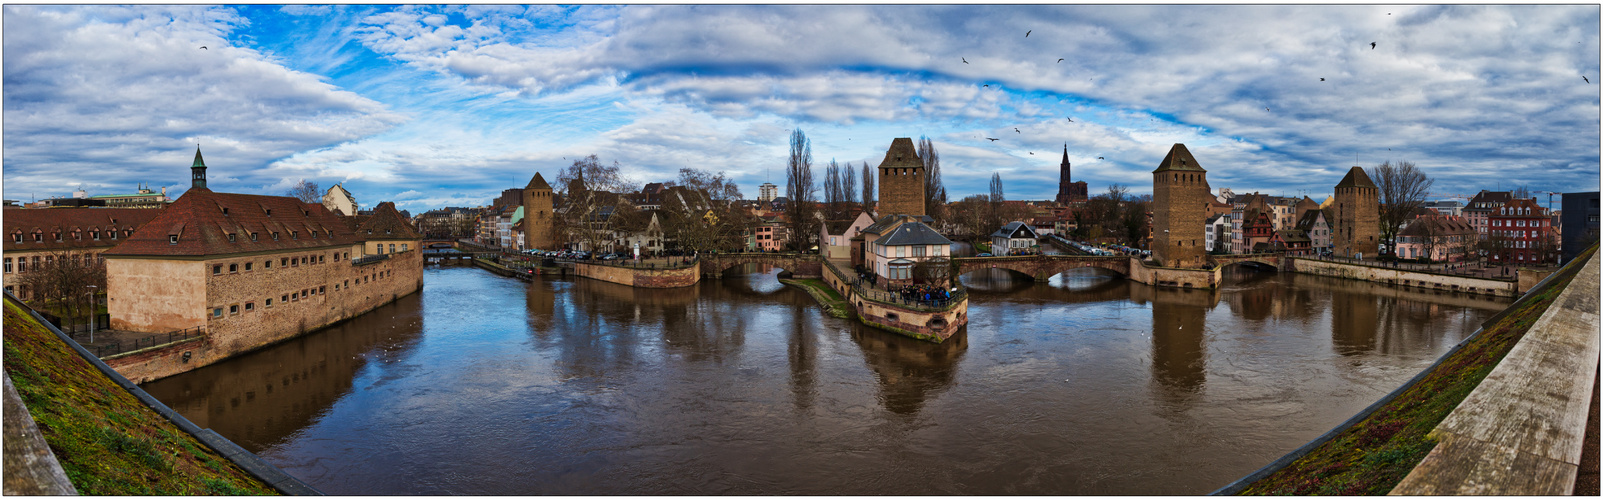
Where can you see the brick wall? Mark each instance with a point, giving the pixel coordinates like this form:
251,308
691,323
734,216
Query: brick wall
901,190
642,278
1180,205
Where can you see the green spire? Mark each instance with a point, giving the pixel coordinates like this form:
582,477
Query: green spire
197,172
198,161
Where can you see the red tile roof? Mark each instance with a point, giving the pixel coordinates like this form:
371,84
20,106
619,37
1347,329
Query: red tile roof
48,221
203,220
387,224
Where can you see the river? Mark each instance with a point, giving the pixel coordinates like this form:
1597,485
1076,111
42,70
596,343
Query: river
1089,384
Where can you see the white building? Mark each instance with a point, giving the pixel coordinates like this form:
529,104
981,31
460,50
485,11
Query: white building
1014,237
767,192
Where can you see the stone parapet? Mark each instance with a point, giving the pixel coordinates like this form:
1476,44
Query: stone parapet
637,277
1403,277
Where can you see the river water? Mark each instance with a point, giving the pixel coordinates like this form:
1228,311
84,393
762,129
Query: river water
1089,384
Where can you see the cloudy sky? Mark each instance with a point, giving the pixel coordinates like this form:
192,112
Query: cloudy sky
435,106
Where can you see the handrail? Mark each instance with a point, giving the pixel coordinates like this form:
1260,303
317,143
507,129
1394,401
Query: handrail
362,261
893,298
115,348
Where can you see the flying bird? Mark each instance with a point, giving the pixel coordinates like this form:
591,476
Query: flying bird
1016,129
1583,77
1321,79
993,139
1027,34
1032,153
1071,119
1266,108
986,85
1060,59
1371,45
1099,157
965,60
203,47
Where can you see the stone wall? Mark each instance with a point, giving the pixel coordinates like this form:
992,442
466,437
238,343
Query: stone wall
1180,204
1528,278
304,298
148,295
1405,278
1179,278
912,323
643,278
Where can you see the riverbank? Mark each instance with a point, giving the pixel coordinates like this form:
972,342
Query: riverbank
1372,452
106,441
832,302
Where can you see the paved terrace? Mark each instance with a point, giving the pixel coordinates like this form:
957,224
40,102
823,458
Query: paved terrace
1522,431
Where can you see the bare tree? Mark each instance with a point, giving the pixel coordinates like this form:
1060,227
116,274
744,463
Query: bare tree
849,185
62,284
868,187
799,187
834,191
934,191
933,271
702,213
306,191
590,194
1134,221
972,215
1402,190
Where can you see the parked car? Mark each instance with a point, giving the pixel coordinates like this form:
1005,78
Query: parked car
985,255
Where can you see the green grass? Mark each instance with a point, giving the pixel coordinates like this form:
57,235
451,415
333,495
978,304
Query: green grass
833,303
108,442
1372,456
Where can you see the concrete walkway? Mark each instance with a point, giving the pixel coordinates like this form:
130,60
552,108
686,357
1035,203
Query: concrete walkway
1522,430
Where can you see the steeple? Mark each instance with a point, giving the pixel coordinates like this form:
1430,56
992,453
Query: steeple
1065,165
198,171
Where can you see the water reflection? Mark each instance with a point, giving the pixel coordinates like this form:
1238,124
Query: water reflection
490,385
286,387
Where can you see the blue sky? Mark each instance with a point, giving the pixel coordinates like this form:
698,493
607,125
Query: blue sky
430,106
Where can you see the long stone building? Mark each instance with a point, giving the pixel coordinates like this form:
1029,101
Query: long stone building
37,238
1355,216
253,270
1181,200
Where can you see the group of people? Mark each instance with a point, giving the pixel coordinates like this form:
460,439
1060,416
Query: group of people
925,294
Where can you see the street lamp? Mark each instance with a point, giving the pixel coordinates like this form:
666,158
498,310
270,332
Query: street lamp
92,310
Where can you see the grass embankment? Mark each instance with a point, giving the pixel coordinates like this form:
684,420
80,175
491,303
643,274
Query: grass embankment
833,303
106,440
1372,456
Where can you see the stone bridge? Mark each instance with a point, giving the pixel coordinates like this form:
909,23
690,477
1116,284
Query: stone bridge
799,264
1042,267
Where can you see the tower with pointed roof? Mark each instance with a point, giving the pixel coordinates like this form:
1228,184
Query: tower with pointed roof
1180,202
538,213
901,179
197,171
1355,216
1068,190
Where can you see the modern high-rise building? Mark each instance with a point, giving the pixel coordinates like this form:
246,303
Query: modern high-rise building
767,192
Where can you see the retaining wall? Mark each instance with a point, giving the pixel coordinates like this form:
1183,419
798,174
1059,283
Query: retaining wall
642,278
1403,277
1173,277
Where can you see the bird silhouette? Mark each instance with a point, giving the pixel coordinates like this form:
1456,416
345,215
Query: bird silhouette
1371,45
1321,79
1099,157
1016,129
1071,119
203,47
1060,59
992,139
986,85
1027,34
1266,108
1032,153
965,60
1583,77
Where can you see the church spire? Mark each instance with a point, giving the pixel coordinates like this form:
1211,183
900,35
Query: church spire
197,171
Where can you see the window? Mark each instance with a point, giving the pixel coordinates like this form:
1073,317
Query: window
8,264
247,265
284,298
321,259
322,290
40,238
253,236
233,309
294,262
283,262
217,269
381,248
233,268
294,235
275,233
901,251
303,260
16,237
918,251
95,235
269,302
392,248
172,239
336,287
77,235
267,264
303,294
347,283
230,237
403,247
217,312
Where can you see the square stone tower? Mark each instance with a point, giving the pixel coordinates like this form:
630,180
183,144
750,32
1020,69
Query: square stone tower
901,180
1355,216
1180,201
537,214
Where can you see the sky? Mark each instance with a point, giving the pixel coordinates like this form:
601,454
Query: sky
432,106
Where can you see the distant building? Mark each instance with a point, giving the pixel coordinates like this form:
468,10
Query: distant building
767,192
1452,208
1480,208
1355,216
1180,201
144,198
1013,238
1520,231
1438,238
836,236
1217,232
896,243
1069,192
1313,224
35,239
901,180
340,201
1257,225
1579,222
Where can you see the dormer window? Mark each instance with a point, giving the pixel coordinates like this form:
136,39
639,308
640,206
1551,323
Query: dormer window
38,237
230,237
294,235
95,235
225,211
16,237
58,236
253,236
172,239
77,235
275,235
269,212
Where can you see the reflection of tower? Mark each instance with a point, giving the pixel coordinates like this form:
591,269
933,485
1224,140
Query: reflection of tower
910,371
537,214
803,361
1180,201
901,180
1178,364
1353,319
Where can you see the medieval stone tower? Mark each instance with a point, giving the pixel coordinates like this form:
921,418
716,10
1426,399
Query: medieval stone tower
1355,218
1180,201
901,180
537,214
